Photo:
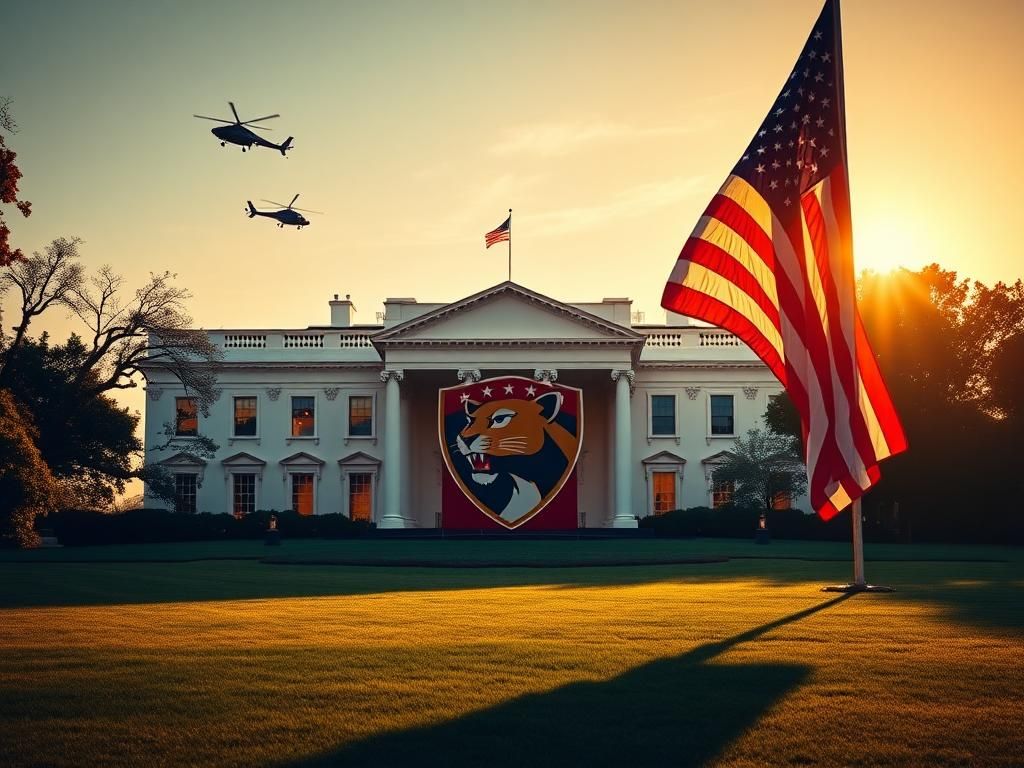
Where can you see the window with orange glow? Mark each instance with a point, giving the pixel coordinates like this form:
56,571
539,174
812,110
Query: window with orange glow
186,418
303,416
360,496
245,417
782,500
360,416
722,492
664,492
302,493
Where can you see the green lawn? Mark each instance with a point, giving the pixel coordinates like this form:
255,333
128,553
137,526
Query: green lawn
153,655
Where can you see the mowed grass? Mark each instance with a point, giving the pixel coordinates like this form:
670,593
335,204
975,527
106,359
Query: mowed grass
738,663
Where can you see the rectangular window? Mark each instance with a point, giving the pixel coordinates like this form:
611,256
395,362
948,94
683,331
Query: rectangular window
663,414
360,496
360,416
302,493
185,493
722,492
186,418
243,494
664,492
722,415
245,417
782,500
303,416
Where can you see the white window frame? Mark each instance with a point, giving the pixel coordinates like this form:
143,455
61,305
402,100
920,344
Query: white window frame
199,431
663,462
356,464
302,463
259,419
315,437
195,474
718,393
372,437
650,415
257,489
289,489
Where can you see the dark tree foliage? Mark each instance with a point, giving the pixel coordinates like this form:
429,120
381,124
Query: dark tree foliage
9,175
782,418
26,486
951,353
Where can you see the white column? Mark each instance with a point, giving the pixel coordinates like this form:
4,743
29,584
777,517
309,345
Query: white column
624,517
392,511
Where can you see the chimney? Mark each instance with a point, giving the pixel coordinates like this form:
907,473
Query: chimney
342,311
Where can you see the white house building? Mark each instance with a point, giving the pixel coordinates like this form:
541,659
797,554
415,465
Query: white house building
344,418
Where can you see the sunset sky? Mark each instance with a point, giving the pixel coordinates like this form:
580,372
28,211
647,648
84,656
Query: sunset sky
606,126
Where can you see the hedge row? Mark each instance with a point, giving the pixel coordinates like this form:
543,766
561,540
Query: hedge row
735,522
147,526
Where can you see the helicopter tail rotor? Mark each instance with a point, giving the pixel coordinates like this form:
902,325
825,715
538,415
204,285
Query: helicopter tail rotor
252,209
286,145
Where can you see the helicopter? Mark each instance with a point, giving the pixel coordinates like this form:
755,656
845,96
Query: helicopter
239,132
287,215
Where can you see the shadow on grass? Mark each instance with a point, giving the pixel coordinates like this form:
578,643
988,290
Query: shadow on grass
675,711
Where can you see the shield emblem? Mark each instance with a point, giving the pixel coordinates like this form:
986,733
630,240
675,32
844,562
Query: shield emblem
510,443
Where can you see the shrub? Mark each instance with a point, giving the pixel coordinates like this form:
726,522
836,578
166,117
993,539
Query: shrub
149,526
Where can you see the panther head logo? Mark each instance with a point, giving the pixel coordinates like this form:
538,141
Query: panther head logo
512,454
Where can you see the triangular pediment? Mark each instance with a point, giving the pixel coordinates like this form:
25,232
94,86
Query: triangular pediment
507,312
663,457
302,459
718,458
359,459
183,460
243,459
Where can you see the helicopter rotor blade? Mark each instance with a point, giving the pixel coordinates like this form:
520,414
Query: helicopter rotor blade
234,112
279,205
293,200
258,119
215,119
257,127
306,210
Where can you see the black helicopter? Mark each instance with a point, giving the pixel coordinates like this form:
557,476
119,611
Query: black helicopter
286,215
240,133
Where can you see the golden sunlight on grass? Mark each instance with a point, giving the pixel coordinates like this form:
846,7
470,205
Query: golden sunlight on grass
360,678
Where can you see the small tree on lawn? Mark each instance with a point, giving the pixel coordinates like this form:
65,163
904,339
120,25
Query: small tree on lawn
763,466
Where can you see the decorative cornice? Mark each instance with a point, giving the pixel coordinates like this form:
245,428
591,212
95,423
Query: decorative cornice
692,392
546,375
273,392
471,374
750,392
332,392
392,373
154,393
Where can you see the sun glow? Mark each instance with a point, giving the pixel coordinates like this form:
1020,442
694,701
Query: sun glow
885,241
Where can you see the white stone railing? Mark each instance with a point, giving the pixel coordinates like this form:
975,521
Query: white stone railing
243,341
292,340
719,339
655,339
303,341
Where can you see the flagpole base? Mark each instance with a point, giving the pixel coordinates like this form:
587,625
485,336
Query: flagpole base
852,589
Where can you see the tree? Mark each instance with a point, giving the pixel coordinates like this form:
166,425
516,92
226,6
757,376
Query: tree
9,175
762,467
83,435
26,484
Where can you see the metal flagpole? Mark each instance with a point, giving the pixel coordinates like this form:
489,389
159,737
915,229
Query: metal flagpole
510,245
859,583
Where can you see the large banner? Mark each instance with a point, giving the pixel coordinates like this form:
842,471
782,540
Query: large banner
510,445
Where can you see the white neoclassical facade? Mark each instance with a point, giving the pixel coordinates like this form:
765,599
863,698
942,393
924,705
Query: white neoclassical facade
343,418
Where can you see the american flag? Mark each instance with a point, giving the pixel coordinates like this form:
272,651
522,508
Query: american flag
500,234
771,260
